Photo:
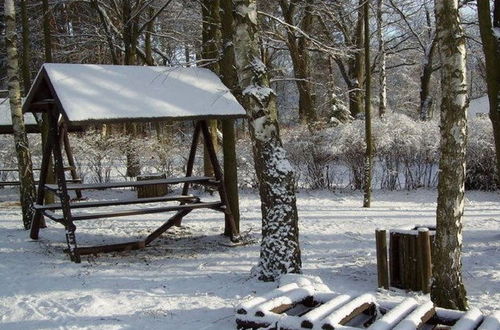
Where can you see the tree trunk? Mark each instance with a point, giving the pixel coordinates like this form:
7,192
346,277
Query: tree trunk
280,251
26,56
298,47
148,47
230,78
425,83
44,123
367,185
211,36
130,46
356,67
382,77
27,187
448,290
491,49
47,37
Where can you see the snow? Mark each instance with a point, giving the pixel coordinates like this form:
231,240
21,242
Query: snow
189,280
491,322
112,92
339,314
414,320
470,320
5,116
479,107
395,315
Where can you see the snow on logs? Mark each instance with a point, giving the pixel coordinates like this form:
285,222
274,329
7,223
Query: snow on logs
306,306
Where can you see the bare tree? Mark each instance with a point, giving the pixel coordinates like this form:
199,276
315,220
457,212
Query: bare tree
367,186
491,49
299,53
447,289
27,189
280,251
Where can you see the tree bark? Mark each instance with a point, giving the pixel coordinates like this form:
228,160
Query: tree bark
491,49
148,47
26,55
211,38
447,289
356,67
130,46
382,77
367,185
47,37
280,251
27,185
298,47
230,78
426,99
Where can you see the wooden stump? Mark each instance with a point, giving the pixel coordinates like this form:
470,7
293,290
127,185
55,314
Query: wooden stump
410,261
156,190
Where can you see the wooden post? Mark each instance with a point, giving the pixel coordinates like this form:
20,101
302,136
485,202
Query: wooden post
71,159
192,155
382,270
220,177
425,255
38,221
62,189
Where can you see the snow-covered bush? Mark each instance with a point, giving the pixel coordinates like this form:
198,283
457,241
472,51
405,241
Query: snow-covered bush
96,155
311,156
481,162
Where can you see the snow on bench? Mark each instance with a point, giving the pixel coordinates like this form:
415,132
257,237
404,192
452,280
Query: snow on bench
395,315
470,320
247,306
419,316
348,311
304,305
491,322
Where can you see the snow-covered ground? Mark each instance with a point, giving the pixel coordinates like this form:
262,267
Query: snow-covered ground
190,279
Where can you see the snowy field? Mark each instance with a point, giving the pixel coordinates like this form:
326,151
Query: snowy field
189,279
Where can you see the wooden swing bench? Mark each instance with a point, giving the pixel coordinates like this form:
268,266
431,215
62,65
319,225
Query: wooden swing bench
48,87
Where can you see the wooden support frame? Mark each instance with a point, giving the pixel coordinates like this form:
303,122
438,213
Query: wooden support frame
56,140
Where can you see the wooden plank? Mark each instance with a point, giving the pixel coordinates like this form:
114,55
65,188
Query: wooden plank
418,317
174,220
110,248
11,169
17,183
57,206
125,184
425,256
90,216
382,270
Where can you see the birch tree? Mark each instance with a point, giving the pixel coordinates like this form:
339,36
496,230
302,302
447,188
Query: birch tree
447,289
280,252
27,187
490,36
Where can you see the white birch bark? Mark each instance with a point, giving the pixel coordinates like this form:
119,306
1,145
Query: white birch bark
27,186
280,252
447,288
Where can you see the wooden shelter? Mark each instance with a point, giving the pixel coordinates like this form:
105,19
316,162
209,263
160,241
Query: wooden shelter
81,95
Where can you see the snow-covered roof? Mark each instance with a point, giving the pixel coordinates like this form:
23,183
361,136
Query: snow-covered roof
479,106
98,93
6,119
